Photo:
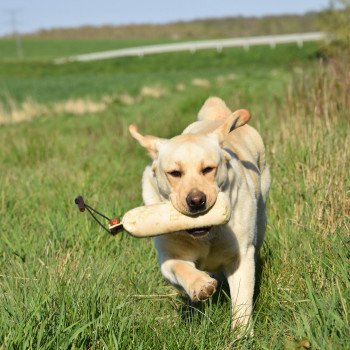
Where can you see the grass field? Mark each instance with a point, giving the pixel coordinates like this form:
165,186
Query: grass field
66,284
47,82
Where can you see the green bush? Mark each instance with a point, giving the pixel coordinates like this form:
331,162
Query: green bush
336,22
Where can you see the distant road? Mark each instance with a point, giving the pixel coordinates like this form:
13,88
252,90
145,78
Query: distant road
193,46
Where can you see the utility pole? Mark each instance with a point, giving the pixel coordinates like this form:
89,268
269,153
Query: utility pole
14,24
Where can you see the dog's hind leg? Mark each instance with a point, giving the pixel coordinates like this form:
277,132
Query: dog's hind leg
265,181
214,108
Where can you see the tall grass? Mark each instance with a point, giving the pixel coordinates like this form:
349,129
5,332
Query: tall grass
309,228
316,125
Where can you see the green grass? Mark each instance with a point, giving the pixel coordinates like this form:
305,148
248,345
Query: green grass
64,283
46,82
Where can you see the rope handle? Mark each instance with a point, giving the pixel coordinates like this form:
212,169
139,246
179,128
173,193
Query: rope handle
115,225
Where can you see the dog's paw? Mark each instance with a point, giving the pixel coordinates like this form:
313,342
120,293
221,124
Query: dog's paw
203,288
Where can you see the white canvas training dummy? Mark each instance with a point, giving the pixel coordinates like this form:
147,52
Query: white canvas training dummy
163,218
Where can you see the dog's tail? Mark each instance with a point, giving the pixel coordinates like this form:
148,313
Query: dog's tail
214,108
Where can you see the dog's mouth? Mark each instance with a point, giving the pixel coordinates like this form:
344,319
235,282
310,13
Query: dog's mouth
199,231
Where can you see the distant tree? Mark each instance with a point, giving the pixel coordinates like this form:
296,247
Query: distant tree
336,22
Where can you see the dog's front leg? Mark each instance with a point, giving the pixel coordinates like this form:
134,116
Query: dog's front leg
241,279
197,284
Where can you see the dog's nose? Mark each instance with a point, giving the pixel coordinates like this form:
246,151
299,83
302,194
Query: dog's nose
196,200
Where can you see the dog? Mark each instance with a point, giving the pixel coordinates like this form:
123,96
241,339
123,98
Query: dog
218,152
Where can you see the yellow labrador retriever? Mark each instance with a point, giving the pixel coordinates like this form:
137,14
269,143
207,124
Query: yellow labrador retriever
219,152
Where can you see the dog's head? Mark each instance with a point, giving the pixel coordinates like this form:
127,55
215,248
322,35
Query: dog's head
191,168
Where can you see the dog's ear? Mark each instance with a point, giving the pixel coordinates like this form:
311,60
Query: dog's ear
234,121
151,143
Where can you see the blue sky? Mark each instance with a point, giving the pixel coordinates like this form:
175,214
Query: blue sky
37,14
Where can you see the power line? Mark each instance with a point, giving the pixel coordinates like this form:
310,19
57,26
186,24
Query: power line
15,33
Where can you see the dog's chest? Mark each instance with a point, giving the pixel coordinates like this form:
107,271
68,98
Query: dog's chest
220,253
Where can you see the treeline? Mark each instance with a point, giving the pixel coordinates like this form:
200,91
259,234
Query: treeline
196,29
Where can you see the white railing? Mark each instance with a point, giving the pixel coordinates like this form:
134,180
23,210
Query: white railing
193,46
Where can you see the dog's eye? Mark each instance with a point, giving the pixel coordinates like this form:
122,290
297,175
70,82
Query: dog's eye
207,170
175,173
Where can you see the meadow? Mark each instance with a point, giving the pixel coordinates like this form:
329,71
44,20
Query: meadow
66,284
